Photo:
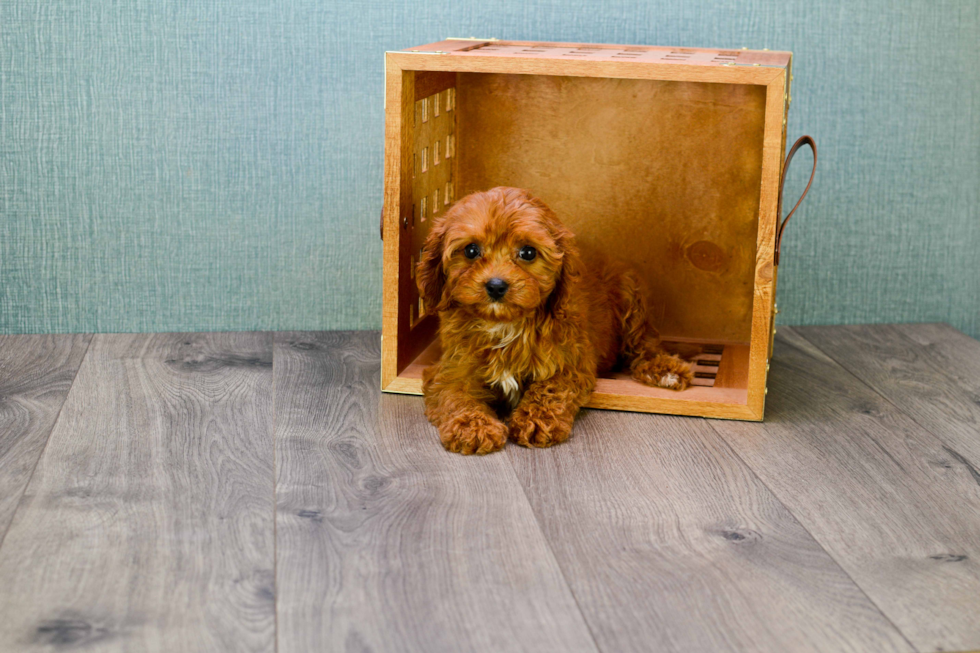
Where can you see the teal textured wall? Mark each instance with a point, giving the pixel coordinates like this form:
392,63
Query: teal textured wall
217,164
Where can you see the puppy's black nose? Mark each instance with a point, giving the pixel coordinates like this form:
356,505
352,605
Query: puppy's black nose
496,288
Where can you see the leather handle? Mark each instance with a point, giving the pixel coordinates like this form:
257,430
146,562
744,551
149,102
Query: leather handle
803,140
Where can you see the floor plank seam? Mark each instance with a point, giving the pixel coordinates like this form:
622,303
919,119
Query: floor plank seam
551,551
971,466
947,446
792,514
47,439
929,432
275,506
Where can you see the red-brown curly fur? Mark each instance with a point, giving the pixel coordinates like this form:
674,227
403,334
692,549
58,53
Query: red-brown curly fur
566,317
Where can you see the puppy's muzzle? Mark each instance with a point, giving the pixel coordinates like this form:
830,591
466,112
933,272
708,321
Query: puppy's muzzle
496,289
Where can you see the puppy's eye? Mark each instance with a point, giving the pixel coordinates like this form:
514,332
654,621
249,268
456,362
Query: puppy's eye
527,253
471,251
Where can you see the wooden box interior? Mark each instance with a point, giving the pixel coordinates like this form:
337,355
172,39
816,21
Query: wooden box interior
663,174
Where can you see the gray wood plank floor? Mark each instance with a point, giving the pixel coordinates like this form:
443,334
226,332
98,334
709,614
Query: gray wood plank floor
879,492
35,375
240,492
931,370
670,543
148,523
386,542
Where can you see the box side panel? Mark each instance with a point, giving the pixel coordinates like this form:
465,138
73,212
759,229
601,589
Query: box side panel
398,86
420,183
433,168
666,175
719,389
762,315
610,396
405,332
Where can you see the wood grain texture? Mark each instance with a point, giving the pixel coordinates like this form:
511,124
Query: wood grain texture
35,375
432,175
764,282
881,494
615,394
385,541
670,543
947,344
931,372
632,168
399,130
725,400
148,523
476,63
606,52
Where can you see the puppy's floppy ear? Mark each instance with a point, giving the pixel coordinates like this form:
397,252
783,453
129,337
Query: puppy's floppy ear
429,275
560,299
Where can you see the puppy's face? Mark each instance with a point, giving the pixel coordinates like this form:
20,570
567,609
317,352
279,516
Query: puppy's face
497,254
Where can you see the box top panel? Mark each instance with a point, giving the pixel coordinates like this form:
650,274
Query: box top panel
600,52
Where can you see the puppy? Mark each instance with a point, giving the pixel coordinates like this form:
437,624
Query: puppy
526,321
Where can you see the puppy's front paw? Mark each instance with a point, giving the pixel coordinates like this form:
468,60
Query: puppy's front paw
473,433
664,371
532,428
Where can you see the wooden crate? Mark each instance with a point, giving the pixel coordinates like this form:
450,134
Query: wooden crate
669,158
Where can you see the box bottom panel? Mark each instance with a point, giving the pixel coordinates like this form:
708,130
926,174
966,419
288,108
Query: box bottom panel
719,390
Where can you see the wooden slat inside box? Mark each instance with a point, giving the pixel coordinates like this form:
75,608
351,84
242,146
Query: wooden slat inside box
666,158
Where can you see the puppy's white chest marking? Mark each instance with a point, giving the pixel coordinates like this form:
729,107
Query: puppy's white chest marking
510,387
501,377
